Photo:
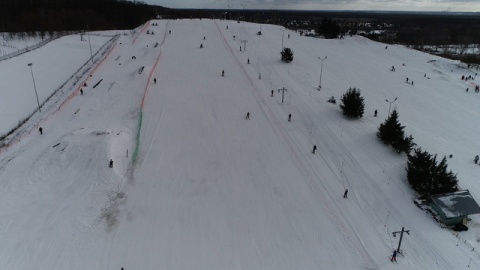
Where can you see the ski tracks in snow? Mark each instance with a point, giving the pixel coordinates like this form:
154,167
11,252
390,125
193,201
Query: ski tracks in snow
306,168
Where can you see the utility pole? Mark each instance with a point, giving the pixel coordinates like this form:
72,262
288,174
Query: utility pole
401,236
244,44
283,92
283,31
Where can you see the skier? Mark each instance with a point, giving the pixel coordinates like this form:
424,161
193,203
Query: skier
248,116
110,164
248,61
40,129
223,73
345,193
203,37
81,92
375,113
476,159
201,45
259,76
272,94
406,80
169,31
240,48
394,256
154,80
314,149
289,117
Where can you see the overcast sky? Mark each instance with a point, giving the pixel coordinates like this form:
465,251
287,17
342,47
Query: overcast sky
394,5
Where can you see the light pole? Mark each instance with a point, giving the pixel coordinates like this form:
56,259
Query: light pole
390,106
89,44
243,5
321,71
283,31
34,86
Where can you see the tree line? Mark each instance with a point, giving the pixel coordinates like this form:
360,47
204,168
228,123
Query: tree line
73,15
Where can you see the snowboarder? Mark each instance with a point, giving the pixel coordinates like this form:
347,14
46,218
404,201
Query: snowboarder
289,117
110,164
476,159
40,129
345,193
223,73
154,80
248,116
81,92
314,148
272,94
394,256
375,113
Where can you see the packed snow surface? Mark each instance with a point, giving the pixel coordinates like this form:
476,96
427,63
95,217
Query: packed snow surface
195,185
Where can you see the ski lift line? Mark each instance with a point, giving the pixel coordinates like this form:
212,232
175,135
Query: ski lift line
305,167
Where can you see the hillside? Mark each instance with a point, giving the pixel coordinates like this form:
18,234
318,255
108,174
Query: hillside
196,185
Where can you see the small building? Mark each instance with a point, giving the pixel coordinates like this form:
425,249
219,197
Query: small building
454,208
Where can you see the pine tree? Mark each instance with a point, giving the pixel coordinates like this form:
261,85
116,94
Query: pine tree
444,181
391,132
419,166
352,103
287,55
426,177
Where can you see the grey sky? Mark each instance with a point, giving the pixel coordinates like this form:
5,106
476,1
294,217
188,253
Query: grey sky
396,5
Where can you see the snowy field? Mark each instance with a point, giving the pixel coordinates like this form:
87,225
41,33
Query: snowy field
197,186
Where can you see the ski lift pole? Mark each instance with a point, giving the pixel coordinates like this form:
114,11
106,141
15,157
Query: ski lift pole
401,237
283,92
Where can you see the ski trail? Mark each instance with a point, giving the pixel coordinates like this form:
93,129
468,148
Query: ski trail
305,167
147,87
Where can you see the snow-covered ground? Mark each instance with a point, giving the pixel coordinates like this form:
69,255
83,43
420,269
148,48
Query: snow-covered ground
197,186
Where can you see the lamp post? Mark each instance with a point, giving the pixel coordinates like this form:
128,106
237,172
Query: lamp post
89,44
283,31
34,86
243,5
390,106
321,71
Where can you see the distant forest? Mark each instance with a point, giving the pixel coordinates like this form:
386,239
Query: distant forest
435,32
73,15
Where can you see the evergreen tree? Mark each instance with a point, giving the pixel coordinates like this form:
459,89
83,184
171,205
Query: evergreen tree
391,132
428,178
287,55
328,28
444,180
419,166
352,103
